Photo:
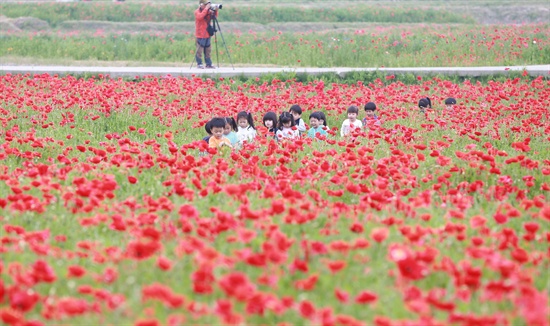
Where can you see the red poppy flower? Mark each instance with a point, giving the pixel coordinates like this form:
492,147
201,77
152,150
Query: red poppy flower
76,271
379,234
366,297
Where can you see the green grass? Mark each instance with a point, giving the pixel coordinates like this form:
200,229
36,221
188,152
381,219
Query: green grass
387,46
55,13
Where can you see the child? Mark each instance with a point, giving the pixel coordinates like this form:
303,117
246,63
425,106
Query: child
208,131
296,111
316,126
323,119
287,127
371,118
230,130
245,127
217,126
270,122
449,103
424,103
351,122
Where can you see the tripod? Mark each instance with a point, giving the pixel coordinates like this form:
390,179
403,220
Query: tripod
216,28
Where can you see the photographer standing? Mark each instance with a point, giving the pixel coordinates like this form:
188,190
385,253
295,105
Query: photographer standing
203,16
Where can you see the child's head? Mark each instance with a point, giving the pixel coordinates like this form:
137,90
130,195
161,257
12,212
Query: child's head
450,102
244,119
286,120
207,128
425,103
296,111
217,126
230,125
370,107
353,111
323,118
270,120
315,120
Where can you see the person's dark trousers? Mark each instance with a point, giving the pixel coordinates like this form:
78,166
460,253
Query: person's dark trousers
203,46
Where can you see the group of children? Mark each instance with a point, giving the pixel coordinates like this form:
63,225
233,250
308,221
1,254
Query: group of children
352,123
290,125
425,103
228,132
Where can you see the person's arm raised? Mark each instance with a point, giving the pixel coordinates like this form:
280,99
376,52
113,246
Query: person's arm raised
202,13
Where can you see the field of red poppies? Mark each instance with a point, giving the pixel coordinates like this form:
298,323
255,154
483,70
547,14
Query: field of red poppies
113,211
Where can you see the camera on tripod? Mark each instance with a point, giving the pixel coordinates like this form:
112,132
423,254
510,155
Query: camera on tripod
215,6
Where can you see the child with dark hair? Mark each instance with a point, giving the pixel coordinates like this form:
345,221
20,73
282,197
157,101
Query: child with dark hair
287,127
245,127
316,125
351,123
323,119
208,131
270,122
424,103
371,119
217,126
296,112
230,130
450,103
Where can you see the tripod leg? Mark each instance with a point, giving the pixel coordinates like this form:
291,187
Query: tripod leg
217,57
223,40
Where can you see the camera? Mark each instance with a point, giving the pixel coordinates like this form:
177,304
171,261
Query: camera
215,6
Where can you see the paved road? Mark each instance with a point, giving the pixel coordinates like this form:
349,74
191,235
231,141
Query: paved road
228,71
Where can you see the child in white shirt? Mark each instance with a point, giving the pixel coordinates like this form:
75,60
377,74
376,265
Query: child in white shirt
245,127
296,112
287,127
351,123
